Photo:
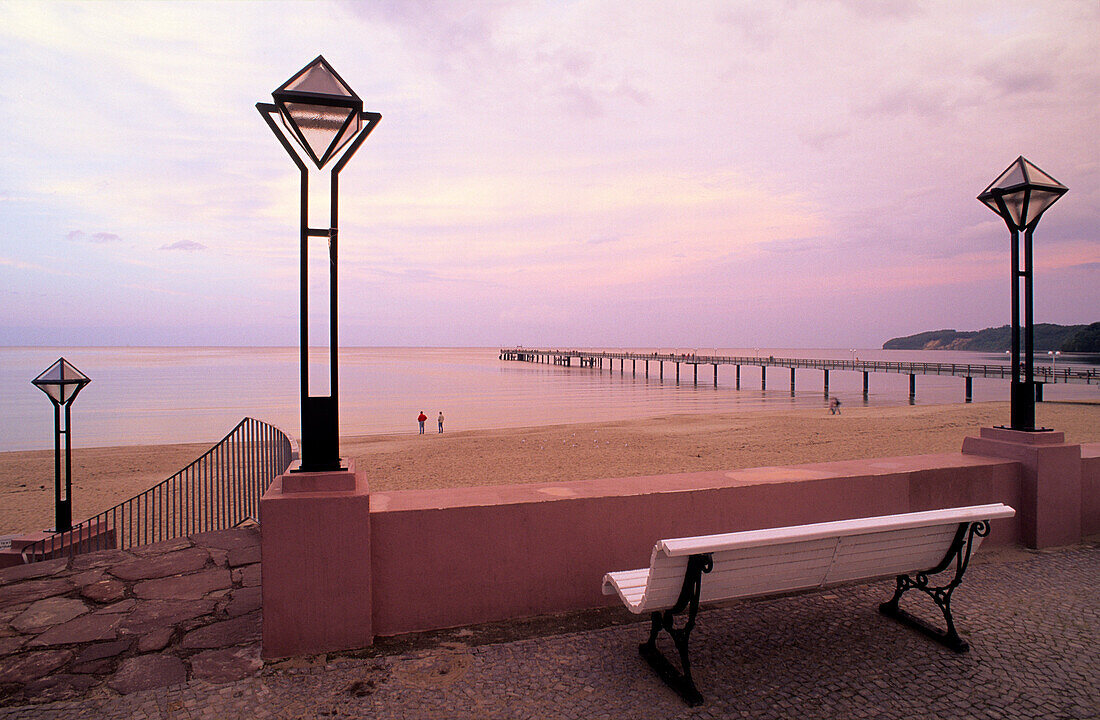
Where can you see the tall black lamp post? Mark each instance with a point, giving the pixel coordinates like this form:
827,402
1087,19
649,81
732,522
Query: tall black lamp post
61,382
1020,195
323,116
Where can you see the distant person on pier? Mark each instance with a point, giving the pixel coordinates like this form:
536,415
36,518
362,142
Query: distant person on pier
440,422
420,419
834,406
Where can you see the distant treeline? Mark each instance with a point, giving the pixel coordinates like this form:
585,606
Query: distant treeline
1067,338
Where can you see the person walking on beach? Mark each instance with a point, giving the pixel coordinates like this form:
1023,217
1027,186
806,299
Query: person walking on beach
420,419
440,422
834,406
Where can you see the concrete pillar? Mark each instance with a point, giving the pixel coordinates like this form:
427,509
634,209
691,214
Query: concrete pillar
1051,484
315,550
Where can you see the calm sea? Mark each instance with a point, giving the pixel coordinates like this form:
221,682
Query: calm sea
146,395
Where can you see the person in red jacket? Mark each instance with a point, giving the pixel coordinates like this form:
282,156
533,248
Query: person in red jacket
420,419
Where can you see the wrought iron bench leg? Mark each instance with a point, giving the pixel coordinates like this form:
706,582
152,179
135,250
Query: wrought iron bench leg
678,680
959,553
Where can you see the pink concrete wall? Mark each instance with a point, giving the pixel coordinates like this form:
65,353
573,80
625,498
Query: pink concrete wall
1090,489
468,555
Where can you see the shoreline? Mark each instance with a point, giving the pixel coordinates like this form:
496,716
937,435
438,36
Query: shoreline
103,477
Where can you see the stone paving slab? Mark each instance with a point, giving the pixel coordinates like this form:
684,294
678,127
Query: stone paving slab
1032,619
116,622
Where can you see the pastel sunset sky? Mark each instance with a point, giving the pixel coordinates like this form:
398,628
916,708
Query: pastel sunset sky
593,172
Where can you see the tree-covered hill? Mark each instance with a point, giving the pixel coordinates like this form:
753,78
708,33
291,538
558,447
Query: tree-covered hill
1048,336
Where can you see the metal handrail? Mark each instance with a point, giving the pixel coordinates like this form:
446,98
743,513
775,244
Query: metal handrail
219,490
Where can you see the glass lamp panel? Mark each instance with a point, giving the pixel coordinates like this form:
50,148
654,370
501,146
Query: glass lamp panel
1040,201
53,374
55,391
990,202
1037,176
319,79
349,132
318,125
68,372
1015,204
1014,175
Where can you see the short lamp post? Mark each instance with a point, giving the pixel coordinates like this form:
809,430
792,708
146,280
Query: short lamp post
61,382
324,118
1020,195
1053,361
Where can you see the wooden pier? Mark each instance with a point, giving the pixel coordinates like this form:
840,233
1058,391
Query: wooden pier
967,371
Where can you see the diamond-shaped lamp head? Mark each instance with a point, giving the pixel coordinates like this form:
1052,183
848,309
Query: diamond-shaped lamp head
319,110
1022,193
61,381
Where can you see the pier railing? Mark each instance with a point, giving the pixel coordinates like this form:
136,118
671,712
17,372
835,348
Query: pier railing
1041,373
219,490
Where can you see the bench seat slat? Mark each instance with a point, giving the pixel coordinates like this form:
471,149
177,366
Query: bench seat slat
631,578
729,580
783,555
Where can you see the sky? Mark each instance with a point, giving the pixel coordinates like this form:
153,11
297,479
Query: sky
585,173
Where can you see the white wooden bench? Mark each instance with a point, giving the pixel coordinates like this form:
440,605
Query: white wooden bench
910,547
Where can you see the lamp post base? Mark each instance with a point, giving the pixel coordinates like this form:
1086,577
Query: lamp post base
1023,406
320,435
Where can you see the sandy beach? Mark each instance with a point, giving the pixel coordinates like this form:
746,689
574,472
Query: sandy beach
103,477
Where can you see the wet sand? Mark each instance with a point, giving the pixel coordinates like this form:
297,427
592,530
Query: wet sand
103,477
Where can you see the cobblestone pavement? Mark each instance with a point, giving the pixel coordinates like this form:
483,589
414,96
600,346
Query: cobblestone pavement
1032,619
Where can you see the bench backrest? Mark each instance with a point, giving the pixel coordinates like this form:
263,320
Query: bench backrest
764,562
